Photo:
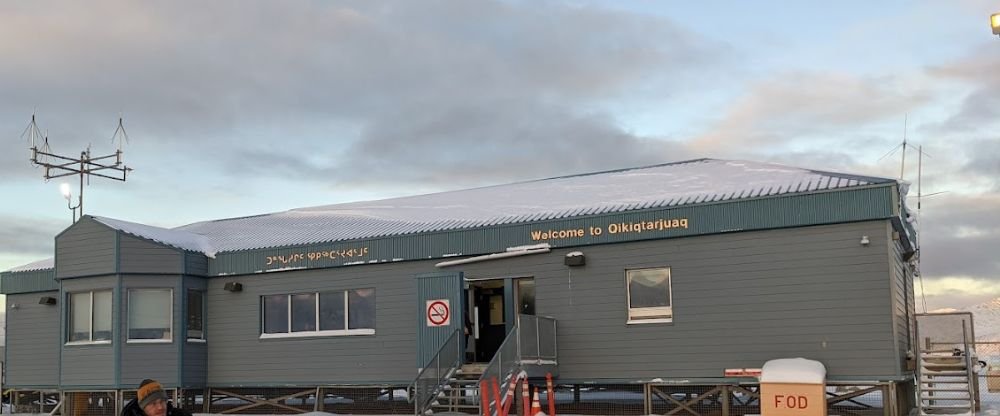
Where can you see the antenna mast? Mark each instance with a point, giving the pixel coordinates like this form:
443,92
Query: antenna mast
84,166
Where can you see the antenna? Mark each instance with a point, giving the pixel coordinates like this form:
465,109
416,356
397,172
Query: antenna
85,166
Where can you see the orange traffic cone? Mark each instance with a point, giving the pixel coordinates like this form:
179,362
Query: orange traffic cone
536,407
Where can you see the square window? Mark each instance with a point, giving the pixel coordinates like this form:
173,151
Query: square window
331,311
361,309
304,312
150,314
89,317
649,295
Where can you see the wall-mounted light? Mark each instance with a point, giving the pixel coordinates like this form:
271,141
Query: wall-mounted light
233,287
574,259
865,241
995,23
47,300
14,306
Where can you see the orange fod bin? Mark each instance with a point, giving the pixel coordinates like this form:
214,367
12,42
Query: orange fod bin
793,387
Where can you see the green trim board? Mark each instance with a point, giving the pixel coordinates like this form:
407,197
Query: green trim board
796,210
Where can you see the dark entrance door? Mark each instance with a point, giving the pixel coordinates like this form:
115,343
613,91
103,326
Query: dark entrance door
490,317
494,305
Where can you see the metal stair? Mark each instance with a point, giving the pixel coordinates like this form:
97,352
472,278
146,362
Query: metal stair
461,394
945,383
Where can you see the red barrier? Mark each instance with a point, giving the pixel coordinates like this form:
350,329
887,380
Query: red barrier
551,394
525,397
496,395
484,397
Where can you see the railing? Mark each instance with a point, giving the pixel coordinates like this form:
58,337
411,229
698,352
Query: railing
968,370
531,341
537,337
435,374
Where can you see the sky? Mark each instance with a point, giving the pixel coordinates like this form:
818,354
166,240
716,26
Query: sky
237,108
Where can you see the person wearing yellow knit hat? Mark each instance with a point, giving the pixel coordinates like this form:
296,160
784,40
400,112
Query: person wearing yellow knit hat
151,400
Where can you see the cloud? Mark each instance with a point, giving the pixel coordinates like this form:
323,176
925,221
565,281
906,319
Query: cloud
960,234
200,77
791,106
482,142
28,235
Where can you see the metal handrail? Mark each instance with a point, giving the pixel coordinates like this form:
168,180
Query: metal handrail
968,368
497,368
514,352
422,395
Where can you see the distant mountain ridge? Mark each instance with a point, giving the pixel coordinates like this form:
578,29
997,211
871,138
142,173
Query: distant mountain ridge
985,316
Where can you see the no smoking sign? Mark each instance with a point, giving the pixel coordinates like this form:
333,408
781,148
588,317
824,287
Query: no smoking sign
438,312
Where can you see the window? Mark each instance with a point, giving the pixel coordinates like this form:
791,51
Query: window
89,317
649,295
195,315
345,312
150,315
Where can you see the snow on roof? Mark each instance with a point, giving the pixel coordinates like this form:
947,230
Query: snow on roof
793,370
665,185
46,264
180,239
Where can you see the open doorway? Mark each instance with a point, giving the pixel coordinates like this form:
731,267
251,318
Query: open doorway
491,308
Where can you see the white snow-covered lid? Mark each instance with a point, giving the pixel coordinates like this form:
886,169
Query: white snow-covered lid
46,264
181,239
793,370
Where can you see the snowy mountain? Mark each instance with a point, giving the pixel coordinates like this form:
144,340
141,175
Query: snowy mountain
986,317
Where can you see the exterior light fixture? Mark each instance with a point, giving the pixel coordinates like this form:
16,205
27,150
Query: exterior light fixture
68,194
995,23
865,241
233,287
574,259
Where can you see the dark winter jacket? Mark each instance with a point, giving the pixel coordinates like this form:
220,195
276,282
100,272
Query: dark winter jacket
133,409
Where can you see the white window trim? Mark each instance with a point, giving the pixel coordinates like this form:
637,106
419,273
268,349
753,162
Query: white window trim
128,323
105,342
203,338
90,321
656,314
316,333
313,334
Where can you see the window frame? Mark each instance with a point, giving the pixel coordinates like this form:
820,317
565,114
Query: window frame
653,314
128,317
90,319
317,332
187,330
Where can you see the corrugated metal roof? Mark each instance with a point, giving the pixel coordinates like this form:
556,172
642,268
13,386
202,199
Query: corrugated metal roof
38,265
666,185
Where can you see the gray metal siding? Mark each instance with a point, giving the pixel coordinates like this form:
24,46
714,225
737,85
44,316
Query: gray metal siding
236,355
32,341
87,248
738,300
85,366
902,305
157,361
143,256
194,354
195,264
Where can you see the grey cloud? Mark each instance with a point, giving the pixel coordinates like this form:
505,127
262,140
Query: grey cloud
799,105
28,236
483,143
234,69
960,235
984,160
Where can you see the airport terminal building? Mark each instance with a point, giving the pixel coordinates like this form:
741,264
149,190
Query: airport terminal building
649,281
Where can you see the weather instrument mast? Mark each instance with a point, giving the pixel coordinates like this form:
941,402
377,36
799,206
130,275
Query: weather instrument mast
57,166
